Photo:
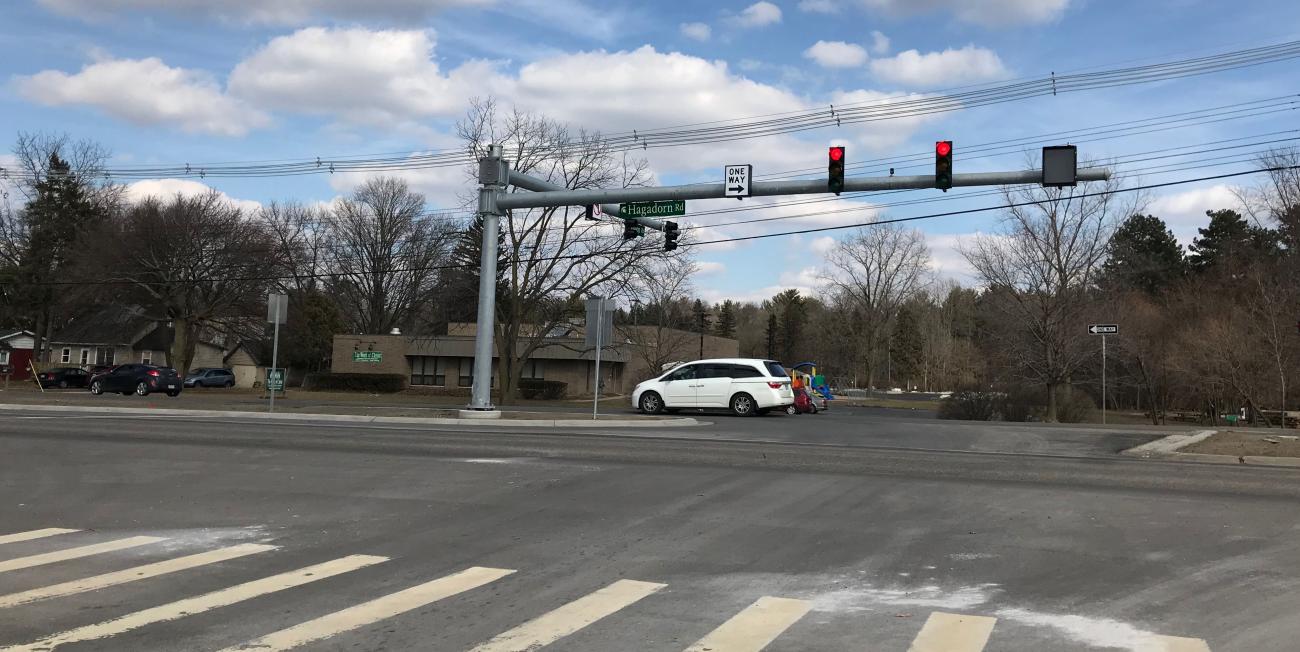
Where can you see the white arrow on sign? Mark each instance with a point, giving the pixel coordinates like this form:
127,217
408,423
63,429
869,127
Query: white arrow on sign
1104,329
737,180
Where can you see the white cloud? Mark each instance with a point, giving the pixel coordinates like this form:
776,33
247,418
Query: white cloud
443,187
946,259
823,245
990,13
819,6
709,268
965,66
167,188
369,76
759,14
879,43
698,31
836,54
1184,212
147,92
275,12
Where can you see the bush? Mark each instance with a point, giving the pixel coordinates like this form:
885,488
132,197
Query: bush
546,390
373,383
974,406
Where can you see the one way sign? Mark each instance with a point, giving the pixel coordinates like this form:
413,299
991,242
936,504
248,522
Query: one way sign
738,178
1104,329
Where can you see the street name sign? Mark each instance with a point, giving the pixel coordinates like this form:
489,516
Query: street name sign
738,178
661,208
1104,329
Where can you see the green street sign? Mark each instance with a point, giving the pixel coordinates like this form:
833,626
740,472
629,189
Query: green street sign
664,208
373,357
275,380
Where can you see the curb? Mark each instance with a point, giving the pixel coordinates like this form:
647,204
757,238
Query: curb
358,418
1167,448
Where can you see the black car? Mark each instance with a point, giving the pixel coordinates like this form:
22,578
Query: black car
63,377
141,379
210,377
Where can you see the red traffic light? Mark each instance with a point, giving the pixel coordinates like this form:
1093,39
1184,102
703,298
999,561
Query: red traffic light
943,147
837,153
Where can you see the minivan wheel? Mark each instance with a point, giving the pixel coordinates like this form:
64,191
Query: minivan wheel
652,403
743,405
142,389
96,388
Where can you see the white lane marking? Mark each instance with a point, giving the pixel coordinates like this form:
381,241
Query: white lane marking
557,624
34,534
945,632
76,553
200,604
375,610
1173,644
132,574
754,627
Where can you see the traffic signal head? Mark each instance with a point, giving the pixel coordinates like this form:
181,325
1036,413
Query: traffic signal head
943,165
835,170
632,230
670,235
591,212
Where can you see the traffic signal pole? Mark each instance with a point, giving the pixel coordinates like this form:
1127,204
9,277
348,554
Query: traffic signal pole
494,200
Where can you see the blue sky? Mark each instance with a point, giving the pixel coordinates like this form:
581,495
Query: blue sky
190,81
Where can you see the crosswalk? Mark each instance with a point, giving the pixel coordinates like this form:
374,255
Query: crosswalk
752,629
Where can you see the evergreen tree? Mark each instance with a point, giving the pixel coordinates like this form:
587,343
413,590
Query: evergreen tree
726,326
1228,236
460,283
790,306
906,346
1143,255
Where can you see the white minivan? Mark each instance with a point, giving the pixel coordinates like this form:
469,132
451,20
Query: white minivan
745,386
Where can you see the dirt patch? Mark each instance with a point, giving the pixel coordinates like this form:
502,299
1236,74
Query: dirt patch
1240,444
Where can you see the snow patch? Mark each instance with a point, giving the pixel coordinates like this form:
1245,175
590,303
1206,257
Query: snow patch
1094,632
863,599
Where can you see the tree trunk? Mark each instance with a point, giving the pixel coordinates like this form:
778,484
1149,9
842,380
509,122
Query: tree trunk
180,345
1050,417
38,335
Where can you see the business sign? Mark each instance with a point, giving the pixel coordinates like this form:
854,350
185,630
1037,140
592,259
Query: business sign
373,357
275,380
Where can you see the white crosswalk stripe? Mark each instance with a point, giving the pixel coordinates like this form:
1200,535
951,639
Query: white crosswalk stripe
33,534
945,632
553,626
755,627
132,574
200,604
375,610
76,553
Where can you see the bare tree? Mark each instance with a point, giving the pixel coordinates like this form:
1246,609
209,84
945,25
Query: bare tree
1045,260
876,269
194,261
555,257
384,254
659,285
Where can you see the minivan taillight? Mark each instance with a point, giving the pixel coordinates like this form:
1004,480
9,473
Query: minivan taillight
154,373
775,385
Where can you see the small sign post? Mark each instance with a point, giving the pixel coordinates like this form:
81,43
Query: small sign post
600,329
277,312
1103,330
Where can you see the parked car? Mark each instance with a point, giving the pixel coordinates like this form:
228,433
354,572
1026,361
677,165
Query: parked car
140,379
210,377
63,377
745,386
803,403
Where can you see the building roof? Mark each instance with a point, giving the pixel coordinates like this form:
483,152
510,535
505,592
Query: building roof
109,326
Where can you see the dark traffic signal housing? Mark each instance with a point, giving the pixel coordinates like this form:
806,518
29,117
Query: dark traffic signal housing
632,230
670,235
943,165
835,170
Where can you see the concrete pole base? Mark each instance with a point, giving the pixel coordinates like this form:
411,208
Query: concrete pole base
478,414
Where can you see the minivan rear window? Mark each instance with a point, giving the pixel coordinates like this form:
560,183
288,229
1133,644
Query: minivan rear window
775,369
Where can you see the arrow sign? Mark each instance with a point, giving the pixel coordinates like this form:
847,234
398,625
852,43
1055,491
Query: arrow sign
737,180
1104,329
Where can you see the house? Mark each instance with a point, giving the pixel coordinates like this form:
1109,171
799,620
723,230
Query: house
121,334
16,354
445,363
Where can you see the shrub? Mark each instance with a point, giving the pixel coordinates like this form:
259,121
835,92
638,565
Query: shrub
546,390
973,405
373,383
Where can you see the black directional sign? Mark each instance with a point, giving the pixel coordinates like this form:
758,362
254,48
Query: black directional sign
1103,329
738,178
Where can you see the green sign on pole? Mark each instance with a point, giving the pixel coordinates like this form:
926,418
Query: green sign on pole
275,380
663,208
373,357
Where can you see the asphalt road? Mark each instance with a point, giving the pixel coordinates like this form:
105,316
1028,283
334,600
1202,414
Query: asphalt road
591,542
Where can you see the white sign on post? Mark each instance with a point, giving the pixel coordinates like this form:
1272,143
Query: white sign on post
738,178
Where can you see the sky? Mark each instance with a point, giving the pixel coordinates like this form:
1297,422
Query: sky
203,81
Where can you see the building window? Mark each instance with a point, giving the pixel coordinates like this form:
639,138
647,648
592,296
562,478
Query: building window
4,357
85,357
423,371
66,356
440,371
146,357
466,372
533,369
105,355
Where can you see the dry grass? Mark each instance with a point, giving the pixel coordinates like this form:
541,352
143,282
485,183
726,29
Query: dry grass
1240,444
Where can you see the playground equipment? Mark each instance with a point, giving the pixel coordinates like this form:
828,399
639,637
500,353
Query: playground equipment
811,379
